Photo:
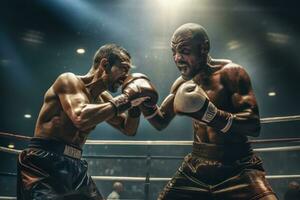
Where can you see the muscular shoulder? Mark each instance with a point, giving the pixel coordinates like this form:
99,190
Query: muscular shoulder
66,82
176,84
235,76
65,77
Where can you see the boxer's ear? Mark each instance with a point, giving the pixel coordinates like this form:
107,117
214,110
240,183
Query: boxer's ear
205,47
105,65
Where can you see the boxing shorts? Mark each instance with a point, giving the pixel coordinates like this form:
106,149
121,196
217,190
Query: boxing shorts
220,173
53,170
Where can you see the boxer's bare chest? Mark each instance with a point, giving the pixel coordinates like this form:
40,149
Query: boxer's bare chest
220,95
53,121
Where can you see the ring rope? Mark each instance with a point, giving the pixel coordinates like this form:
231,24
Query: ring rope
138,143
275,140
139,178
156,179
268,120
9,150
18,137
173,142
126,178
116,142
149,142
262,120
267,149
273,149
131,157
7,198
8,174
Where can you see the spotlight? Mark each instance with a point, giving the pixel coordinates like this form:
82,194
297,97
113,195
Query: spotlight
233,44
27,116
33,37
11,146
80,51
272,94
278,38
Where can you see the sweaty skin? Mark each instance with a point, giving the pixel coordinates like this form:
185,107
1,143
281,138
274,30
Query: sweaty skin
230,90
219,130
74,105
226,84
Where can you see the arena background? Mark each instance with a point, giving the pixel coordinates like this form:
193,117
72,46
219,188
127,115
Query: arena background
39,41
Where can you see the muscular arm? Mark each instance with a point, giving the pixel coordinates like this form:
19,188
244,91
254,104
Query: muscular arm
75,103
165,112
240,114
246,116
124,122
243,117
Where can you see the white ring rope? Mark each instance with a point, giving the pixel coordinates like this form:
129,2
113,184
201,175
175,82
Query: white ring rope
7,198
140,142
262,120
268,149
132,178
140,178
9,150
273,149
280,119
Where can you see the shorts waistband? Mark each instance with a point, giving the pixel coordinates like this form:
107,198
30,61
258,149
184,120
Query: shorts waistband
229,152
56,146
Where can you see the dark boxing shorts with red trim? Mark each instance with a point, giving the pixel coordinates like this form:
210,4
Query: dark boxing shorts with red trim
219,173
50,169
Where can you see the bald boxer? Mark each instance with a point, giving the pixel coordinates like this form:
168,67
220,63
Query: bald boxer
51,168
218,96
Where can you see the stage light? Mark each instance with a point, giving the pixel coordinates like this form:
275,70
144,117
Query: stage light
278,38
272,94
80,51
233,44
27,116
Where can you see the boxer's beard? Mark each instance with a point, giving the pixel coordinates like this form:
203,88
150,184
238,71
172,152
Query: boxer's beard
191,71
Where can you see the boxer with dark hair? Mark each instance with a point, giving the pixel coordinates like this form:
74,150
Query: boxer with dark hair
51,168
218,96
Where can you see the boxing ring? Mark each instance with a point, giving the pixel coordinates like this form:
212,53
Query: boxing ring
147,179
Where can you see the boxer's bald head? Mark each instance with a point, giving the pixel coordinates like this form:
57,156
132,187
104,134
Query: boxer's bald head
191,33
190,45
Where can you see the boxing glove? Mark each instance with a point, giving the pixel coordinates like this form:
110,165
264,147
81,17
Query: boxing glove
136,89
191,100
